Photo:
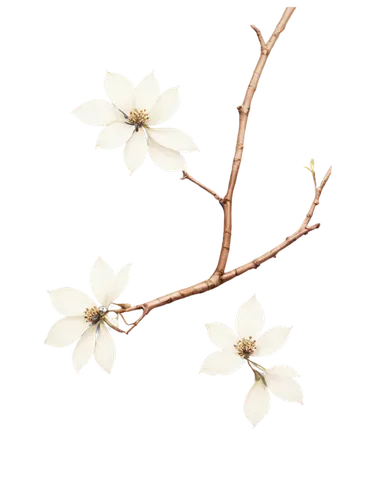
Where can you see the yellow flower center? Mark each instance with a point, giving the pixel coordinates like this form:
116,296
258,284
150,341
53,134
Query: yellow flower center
245,347
139,117
92,315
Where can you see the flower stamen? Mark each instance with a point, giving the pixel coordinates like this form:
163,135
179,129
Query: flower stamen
245,347
138,117
92,315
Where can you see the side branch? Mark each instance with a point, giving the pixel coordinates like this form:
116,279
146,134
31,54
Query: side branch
185,175
260,37
215,281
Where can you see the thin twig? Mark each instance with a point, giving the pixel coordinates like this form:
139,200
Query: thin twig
185,175
260,37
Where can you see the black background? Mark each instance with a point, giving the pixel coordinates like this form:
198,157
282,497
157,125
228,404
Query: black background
170,228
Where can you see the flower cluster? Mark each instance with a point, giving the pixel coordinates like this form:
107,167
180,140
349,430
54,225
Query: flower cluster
129,119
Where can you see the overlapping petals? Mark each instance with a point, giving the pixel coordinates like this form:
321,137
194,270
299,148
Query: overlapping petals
107,286
97,112
281,382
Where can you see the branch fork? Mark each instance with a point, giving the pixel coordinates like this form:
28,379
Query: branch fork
220,275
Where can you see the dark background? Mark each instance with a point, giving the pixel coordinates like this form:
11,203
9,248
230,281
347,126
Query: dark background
170,228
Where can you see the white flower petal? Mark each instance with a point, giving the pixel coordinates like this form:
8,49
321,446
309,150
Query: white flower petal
165,107
102,280
114,135
147,92
98,112
282,371
135,150
120,282
222,363
84,348
257,403
165,158
105,351
285,388
221,335
120,90
70,302
250,319
172,138
271,340
66,331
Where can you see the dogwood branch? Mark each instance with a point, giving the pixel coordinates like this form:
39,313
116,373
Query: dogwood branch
219,276
213,282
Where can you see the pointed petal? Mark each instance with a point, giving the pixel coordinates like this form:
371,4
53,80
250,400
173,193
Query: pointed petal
257,403
66,331
221,335
165,158
120,90
285,388
172,138
84,348
102,279
120,282
282,371
271,340
70,302
222,363
114,135
135,150
98,112
165,107
147,92
105,351
250,319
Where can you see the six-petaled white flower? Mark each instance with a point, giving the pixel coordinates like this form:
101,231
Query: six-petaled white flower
85,320
129,118
236,350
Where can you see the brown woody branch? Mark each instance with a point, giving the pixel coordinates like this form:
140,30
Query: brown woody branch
214,281
259,37
185,175
244,109
219,276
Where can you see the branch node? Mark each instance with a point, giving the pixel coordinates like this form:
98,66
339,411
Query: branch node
259,37
312,228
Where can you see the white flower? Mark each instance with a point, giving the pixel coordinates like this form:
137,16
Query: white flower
248,322
128,120
236,350
85,320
